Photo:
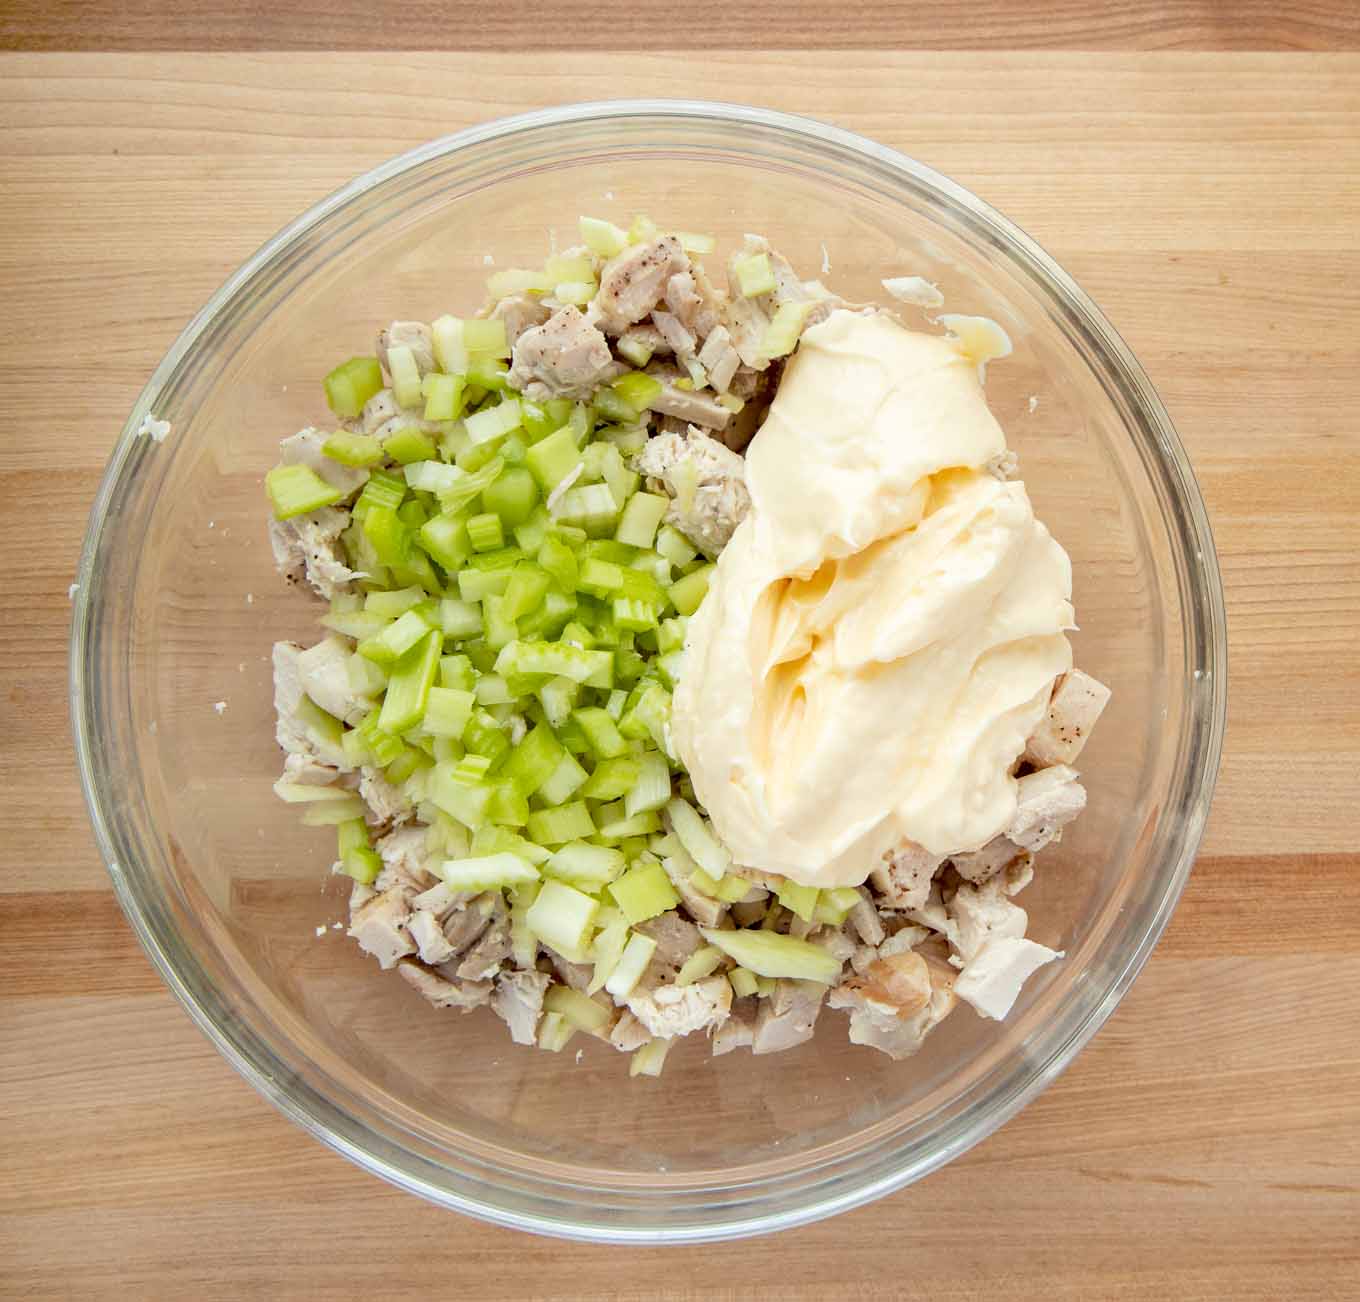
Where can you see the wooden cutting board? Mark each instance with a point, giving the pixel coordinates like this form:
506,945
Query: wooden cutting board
1205,1144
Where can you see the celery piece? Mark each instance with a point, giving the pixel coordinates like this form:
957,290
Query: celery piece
754,275
642,230
559,561
494,840
534,760
641,515
613,778
352,835
566,267
395,640
585,866
628,668
362,864
632,963
562,917
409,444
843,898
401,365
450,352
547,619
607,947
528,586
576,292
693,242
485,532
459,619
563,823
447,711
407,690
412,513
634,350
826,914
535,420
650,717
443,396
616,826
599,578
674,546
592,507
681,862
786,327
445,538
670,636
769,954
483,736
465,801
416,568
492,689
671,667
614,705
643,892
405,766
743,983
698,839
638,389
391,539
500,628
570,735
508,806
601,732
629,439
531,534
295,490
515,280
352,384
650,1059
593,668
512,497
613,406
732,888
328,813
493,422
477,585
486,374
634,615
602,237
688,593
456,672
487,873
471,769
359,624
653,789
486,336
554,1032
638,584
577,634
365,678
558,698
566,780
799,899
553,458
703,962
348,449
393,604
579,1009
474,482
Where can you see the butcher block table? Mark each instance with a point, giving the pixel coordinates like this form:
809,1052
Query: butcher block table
1196,167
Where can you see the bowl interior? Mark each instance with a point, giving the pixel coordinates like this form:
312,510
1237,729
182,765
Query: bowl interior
232,892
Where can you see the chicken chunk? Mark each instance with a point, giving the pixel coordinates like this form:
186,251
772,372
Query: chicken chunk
325,678
633,282
904,877
308,546
380,927
520,312
576,975
992,979
386,803
688,404
739,1030
693,303
1047,801
788,1017
565,357
442,993
429,936
293,737
672,1011
518,1001
464,925
864,917
706,483
997,856
676,939
897,1003
308,772
720,359
414,335
678,336
1077,702
705,910
628,1033
493,948
405,861
982,913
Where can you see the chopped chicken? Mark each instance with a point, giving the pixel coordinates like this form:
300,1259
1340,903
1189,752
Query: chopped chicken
628,1033
688,404
441,900
706,483
903,939
566,357
1047,801
292,736
429,936
931,912
904,878
705,910
695,307
386,803
414,335
671,1011
486,956
676,939
788,1017
359,894
720,359
838,942
405,860
465,924
632,283
897,1003
739,1030
308,772
325,678
443,993
575,975
380,927
304,449
997,856
1077,702
864,917
991,980
982,913
678,336
378,411
520,313
518,1002
309,545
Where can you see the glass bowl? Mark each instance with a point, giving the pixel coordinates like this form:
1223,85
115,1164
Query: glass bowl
179,603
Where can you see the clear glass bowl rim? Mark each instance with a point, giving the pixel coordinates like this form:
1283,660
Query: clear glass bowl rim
1204,622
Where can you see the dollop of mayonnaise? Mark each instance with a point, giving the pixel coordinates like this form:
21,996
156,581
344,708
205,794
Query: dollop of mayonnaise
882,633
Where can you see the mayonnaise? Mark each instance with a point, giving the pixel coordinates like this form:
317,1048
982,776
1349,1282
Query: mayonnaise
882,633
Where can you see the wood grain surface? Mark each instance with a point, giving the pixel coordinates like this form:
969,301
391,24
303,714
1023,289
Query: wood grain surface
1207,1143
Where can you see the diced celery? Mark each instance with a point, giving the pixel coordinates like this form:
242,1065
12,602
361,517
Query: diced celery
697,838
477,585
443,396
613,406
703,962
474,482
553,458
644,892
653,789
382,489
531,534
638,389
554,1032
547,619
391,538
616,826
578,1009
576,292
328,813
492,422
501,284
629,439
563,267
585,866
352,835
743,983
483,736
486,532
674,546
402,769
731,888
785,328
601,732
353,449
642,229
512,497
632,963
559,561
393,603
456,671
563,823
769,954
488,873
614,705
523,943
404,701
471,769
591,507
492,689
558,697
843,898
593,668
634,350
352,384
600,578
800,899
688,593
692,242
301,793
486,373
528,586
754,274
613,778
650,717
567,779
358,624
562,917
447,711
362,864
602,237
295,490
395,640
634,615
500,628
508,805
650,1059
450,352
641,516
486,336
534,760
459,619
429,476
467,802
365,677
401,365
495,840
628,667
607,948
671,635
